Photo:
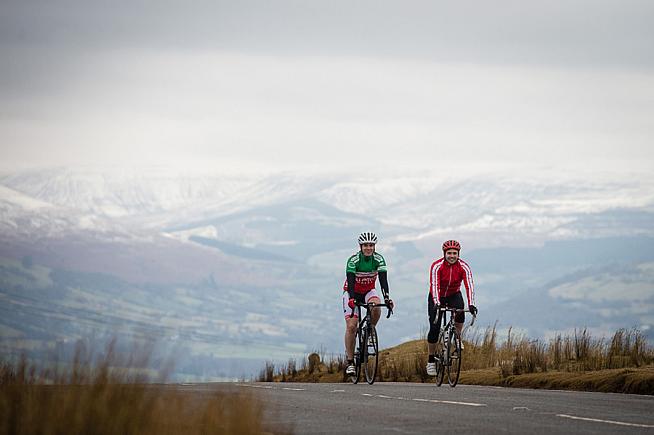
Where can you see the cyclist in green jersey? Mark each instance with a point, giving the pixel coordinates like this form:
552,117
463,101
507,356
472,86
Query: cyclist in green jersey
361,275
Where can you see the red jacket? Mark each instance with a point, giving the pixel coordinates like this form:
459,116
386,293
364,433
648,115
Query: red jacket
445,280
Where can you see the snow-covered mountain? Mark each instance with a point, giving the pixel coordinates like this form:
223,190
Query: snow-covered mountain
490,208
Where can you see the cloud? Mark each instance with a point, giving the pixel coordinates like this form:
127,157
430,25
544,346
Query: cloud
561,32
334,84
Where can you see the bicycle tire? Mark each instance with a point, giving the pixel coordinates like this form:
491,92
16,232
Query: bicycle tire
372,354
454,366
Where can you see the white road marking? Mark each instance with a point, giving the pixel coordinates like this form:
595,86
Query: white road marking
450,402
459,403
621,423
267,387
520,408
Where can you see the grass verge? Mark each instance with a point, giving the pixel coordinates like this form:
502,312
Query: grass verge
630,380
622,364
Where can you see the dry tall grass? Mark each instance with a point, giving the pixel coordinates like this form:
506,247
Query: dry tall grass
314,368
111,396
576,352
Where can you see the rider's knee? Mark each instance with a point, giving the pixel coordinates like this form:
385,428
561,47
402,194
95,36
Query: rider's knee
434,330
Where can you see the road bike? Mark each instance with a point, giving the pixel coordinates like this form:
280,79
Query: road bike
449,358
366,353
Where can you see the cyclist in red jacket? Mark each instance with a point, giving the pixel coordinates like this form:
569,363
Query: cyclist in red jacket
445,278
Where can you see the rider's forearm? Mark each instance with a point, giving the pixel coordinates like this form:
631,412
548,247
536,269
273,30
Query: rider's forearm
351,280
383,282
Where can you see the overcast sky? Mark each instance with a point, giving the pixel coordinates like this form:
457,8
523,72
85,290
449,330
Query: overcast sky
327,84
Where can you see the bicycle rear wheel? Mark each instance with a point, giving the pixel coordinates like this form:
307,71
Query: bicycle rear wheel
372,354
454,367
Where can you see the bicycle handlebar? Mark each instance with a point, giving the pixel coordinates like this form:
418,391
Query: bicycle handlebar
372,305
459,310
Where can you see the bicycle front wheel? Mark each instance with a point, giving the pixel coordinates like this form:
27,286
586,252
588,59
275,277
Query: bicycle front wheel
454,367
372,354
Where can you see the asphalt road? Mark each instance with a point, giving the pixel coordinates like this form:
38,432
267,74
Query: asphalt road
424,408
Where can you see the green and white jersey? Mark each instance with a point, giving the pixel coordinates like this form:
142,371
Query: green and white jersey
365,269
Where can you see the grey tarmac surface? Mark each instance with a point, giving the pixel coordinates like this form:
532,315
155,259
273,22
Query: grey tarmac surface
410,408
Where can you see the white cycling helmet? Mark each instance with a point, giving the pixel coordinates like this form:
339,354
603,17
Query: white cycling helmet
367,238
